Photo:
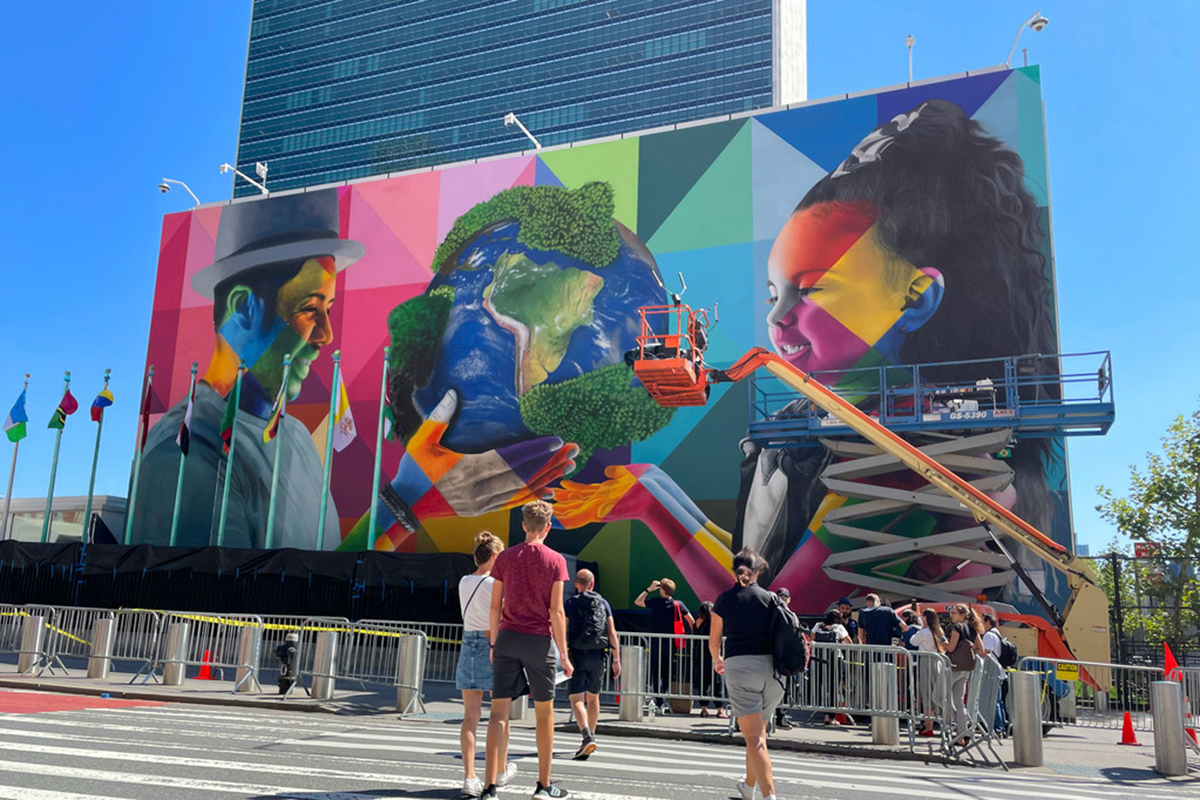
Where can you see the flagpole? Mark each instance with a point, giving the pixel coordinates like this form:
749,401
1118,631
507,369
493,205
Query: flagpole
87,511
12,471
333,398
378,454
54,466
182,464
287,367
237,399
137,457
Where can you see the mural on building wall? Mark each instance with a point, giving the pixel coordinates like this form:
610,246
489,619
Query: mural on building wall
897,228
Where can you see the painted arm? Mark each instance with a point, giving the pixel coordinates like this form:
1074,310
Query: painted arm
434,481
643,492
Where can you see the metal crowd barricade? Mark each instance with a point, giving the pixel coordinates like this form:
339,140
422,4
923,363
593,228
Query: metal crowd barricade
839,680
930,703
215,641
310,628
69,635
31,655
378,651
443,645
1092,694
679,671
983,695
138,639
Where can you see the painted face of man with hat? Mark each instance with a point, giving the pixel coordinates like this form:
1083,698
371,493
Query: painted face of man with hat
273,283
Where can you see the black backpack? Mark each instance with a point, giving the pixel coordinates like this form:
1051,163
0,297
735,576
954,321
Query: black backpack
1008,654
825,635
587,629
790,646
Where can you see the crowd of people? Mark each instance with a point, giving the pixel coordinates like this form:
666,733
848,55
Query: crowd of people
519,633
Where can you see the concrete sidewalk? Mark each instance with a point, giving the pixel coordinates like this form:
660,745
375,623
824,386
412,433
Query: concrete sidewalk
1085,752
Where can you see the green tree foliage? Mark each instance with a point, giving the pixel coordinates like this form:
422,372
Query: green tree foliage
577,222
1163,507
416,328
601,409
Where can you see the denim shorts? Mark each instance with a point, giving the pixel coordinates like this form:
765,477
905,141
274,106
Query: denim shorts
474,662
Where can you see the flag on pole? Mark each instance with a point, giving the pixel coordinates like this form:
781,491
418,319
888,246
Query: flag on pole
66,407
145,412
102,401
14,424
276,417
343,421
228,417
184,437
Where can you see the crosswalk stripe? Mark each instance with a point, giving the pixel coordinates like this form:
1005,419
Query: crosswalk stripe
413,782
22,793
75,772
732,756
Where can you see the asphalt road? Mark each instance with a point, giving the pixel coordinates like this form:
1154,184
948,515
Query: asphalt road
86,749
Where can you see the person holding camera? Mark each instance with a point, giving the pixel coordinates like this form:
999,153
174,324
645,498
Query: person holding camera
668,616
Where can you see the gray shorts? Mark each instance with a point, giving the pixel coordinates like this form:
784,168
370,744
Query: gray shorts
752,687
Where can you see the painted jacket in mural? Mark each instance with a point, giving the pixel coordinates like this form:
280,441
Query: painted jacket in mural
297,507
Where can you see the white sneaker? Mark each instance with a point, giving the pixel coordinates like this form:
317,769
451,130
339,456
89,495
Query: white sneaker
746,791
509,773
472,787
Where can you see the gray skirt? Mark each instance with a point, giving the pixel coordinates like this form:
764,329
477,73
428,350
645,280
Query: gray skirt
752,686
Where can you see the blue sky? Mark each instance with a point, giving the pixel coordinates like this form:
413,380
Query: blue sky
101,101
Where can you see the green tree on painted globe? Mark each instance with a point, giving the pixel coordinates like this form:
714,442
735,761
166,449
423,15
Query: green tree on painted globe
529,315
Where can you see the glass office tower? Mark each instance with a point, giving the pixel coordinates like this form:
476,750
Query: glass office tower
343,89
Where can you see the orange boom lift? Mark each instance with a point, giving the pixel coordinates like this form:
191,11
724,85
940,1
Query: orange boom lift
671,366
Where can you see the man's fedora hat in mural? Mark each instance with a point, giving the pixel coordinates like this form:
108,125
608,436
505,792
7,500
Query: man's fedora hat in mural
257,233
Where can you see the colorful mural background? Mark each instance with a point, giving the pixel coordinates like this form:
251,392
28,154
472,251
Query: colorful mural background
709,201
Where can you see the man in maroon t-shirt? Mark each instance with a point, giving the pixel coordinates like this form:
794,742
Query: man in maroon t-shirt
527,614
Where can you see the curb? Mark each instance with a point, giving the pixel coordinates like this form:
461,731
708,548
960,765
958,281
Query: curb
136,694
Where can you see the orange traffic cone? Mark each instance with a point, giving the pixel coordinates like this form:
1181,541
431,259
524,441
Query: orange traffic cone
1127,735
1191,732
206,669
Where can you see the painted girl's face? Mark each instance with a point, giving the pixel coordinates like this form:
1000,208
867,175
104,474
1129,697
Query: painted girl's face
837,298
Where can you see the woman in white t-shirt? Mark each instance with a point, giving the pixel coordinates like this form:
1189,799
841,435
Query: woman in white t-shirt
929,639
473,676
826,668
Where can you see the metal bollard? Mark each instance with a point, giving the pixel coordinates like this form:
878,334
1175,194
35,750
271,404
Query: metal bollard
632,684
32,633
1166,704
520,709
884,730
177,645
1025,709
249,645
325,665
410,669
100,659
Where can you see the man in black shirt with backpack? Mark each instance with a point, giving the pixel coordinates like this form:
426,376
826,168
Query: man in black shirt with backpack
590,632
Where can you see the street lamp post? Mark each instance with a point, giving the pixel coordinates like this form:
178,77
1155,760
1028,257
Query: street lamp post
1037,23
165,187
511,119
259,168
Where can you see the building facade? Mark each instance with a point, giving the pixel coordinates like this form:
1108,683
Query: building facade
343,89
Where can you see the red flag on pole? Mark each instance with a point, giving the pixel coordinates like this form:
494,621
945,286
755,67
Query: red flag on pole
1171,666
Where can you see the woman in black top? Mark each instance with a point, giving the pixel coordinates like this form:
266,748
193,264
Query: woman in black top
744,614
966,642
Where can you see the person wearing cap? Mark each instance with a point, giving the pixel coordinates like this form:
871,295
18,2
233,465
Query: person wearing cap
272,284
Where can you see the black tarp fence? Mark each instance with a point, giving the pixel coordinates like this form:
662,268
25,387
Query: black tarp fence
366,585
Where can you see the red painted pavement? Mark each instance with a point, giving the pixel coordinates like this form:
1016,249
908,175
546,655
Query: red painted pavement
37,702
